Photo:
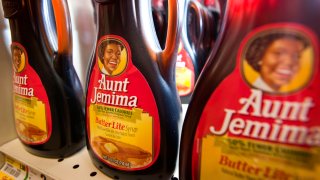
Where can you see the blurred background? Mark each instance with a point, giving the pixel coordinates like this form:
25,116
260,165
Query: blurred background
6,112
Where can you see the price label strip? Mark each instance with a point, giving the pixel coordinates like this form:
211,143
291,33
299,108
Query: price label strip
13,170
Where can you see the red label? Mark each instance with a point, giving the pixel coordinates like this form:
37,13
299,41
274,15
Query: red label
31,104
185,77
122,115
266,126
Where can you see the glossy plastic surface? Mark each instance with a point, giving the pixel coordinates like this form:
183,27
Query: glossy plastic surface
31,26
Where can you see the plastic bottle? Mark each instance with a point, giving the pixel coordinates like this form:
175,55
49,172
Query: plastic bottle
197,40
47,94
132,106
254,112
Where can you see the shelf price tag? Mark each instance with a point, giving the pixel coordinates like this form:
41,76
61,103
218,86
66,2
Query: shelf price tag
13,170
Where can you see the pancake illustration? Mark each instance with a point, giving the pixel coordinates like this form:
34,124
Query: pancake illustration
30,132
121,154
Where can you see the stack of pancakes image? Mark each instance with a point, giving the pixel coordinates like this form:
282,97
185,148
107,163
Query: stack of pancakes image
30,132
114,151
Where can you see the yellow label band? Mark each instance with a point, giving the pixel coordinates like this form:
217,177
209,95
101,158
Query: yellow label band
238,158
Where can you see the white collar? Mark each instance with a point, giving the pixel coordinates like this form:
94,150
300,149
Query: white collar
262,85
104,71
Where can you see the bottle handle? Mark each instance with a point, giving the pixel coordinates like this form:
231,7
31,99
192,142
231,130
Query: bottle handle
160,24
195,31
208,38
63,25
173,33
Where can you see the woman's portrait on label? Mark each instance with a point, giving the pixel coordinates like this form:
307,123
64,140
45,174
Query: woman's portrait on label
18,58
281,59
112,57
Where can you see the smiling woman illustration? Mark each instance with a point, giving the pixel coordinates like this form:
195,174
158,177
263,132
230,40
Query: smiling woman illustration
277,59
17,59
109,53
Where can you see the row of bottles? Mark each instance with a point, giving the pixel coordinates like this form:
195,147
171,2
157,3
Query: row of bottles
200,26
253,105
130,111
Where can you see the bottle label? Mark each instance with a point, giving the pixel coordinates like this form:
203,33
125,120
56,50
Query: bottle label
122,115
31,105
185,77
262,121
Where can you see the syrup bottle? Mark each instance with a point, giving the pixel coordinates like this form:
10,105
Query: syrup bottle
47,94
187,69
254,112
197,39
132,105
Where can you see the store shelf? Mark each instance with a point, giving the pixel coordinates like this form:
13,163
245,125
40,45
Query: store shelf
78,166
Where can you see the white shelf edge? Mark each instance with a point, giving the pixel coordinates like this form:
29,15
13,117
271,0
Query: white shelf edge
51,167
64,169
